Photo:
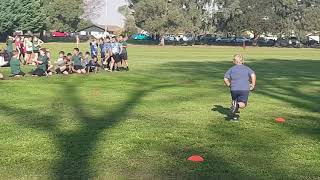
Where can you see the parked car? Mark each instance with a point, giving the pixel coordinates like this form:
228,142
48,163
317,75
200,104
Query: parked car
224,40
312,44
59,34
266,42
141,37
288,42
294,42
170,38
240,40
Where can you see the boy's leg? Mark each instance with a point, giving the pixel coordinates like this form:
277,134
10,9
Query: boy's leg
111,64
234,106
243,99
83,71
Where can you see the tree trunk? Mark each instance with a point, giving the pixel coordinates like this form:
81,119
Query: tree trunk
255,39
162,43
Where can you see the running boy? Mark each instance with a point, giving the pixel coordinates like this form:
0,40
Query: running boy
76,60
238,78
15,65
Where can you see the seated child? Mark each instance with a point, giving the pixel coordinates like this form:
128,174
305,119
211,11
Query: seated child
69,64
2,61
49,66
61,64
15,65
42,62
77,64
86,60
93,65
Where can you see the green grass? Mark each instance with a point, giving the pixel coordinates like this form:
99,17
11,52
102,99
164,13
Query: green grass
144,124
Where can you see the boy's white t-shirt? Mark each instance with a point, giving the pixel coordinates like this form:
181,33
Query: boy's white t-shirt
29,46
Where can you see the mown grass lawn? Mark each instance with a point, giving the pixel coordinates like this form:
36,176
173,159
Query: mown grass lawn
145,123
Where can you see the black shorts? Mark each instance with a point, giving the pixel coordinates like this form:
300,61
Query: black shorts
39,72
78,67
36,51
29,52
124,56
103,55
240,96
116,58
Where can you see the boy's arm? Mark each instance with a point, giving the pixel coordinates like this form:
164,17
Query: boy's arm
253,80
227,82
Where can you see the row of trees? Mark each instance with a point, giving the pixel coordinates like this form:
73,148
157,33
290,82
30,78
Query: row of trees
38,15
228,16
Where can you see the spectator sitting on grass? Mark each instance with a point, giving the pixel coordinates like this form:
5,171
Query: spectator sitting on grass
15,65
93,65
42,64
77,64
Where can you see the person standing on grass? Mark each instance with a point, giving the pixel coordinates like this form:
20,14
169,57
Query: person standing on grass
36,45
241,79
94,48
106,60
124,53
116,50
42,63
15,65
9,44
29,49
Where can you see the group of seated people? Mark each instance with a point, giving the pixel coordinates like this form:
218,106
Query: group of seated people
113,52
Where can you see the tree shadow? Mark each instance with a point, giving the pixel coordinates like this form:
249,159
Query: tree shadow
77,146
277,79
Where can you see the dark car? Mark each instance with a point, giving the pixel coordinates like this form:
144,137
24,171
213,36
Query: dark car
312,44
266,42
225,41
288,42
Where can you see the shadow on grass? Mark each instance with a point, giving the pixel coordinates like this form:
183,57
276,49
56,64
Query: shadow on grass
222,110
76,146
277,79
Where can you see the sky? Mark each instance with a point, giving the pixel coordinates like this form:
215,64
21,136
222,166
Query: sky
108,14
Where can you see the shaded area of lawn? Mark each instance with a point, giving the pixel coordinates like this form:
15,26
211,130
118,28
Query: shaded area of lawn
293,82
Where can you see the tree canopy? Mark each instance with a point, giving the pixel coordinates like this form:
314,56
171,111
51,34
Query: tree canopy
37,15
228,16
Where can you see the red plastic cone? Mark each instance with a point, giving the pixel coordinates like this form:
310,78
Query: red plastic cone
280,120
196,158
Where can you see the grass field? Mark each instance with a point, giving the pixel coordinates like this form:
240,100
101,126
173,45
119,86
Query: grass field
145,123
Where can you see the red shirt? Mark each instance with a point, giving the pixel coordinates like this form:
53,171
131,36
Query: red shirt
18,44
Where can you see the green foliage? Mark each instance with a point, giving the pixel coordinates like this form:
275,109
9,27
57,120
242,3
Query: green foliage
24,15
64,15
230,16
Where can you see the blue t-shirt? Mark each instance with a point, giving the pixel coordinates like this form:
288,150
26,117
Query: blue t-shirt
240,77
94,49
102,48
107,46
115,47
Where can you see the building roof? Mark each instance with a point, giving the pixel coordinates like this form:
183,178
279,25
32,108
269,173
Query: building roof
102,28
